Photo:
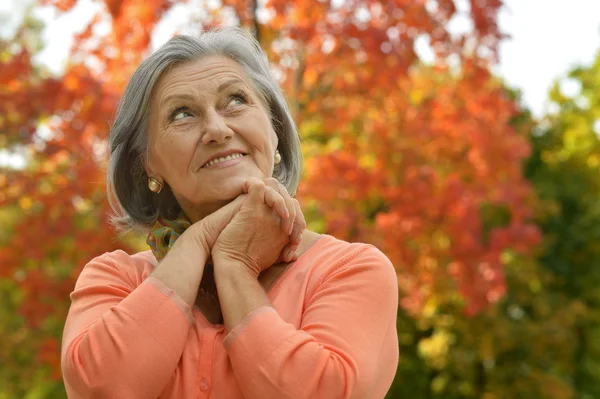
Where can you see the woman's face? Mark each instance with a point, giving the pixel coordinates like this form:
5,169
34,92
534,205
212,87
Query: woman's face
208,132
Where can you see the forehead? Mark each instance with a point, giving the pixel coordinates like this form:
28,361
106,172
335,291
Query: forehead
206,72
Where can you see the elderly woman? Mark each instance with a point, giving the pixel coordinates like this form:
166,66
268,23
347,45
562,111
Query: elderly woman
236,299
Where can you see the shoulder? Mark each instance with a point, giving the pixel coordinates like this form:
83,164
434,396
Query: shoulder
334,258
132,268
340,252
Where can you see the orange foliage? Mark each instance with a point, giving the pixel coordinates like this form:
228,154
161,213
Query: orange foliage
442,148
419,150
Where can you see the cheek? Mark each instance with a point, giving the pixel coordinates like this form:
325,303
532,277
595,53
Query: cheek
269,138
268,145
263,153
175,154
259,136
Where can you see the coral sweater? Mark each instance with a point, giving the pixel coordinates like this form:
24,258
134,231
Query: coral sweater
330,333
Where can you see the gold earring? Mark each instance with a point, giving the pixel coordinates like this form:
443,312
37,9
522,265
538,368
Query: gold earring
277,158
154,185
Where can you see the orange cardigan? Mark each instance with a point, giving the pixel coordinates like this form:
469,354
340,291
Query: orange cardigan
331,333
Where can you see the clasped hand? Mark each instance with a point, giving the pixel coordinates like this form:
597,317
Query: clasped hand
259,228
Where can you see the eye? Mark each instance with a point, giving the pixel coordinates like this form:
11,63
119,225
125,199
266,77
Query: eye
179,113
237,98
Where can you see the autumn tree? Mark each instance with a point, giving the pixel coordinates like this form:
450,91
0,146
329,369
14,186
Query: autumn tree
30,325
419,160
540,339
61,123
565,171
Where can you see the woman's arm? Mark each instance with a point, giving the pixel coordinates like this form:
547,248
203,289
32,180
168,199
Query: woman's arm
254,238
347,346
123,341
240,293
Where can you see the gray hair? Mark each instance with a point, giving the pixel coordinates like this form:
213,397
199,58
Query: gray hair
134,206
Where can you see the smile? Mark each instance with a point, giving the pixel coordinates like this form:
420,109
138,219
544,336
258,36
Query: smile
222,160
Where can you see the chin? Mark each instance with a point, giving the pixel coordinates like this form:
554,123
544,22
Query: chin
232,188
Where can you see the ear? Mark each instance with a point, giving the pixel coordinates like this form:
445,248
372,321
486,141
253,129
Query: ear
151,172
274,140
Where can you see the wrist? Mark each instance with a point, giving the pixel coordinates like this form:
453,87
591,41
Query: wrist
226,266
183,267
196,236
192,242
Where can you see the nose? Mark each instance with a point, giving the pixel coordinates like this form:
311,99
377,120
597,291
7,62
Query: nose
216,130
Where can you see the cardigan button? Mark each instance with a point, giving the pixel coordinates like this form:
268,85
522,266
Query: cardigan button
204,384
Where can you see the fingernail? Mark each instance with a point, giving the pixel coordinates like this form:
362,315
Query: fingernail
299,237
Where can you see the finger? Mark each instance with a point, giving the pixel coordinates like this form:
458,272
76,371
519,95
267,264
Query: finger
296,235
299,223
288,224
288,253
289,203
282,255
249,182
275,201
255,189
271,182
287,221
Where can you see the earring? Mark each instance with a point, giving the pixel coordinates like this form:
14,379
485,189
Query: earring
277,158
154,185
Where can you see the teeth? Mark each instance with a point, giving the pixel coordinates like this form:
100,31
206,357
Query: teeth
227,158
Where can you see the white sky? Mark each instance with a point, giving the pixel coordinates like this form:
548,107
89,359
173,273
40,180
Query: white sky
548,37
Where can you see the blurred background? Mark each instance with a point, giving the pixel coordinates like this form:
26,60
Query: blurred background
458,136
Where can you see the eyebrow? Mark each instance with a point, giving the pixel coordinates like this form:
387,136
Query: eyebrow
178,96
189,97
228,83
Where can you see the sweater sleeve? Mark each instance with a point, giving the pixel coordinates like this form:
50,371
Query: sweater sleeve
119,340
347,346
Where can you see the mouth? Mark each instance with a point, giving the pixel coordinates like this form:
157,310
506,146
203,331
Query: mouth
222,159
